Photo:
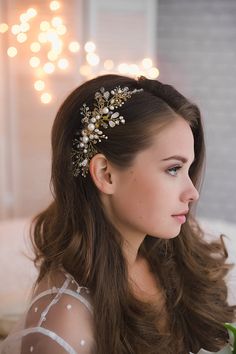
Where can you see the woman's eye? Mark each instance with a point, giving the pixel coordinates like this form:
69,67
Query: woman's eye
173,170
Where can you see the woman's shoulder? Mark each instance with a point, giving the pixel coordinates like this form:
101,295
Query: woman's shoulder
59,318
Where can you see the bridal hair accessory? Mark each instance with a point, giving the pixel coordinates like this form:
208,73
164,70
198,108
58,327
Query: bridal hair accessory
104,115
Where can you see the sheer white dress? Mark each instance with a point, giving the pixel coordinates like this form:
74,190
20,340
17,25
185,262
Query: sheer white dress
59,320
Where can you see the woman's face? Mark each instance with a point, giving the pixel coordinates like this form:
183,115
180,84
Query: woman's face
157,186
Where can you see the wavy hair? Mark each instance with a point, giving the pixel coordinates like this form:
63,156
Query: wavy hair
74,233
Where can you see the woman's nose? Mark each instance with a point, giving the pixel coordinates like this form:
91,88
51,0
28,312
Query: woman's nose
190,193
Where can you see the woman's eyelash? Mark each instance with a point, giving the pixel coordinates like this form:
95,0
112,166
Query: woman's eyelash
173,170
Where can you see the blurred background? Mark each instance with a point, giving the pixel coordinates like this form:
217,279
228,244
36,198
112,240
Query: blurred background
47,48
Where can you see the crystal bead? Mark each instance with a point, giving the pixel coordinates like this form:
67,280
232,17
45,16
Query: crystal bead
115,115
112,124
93,120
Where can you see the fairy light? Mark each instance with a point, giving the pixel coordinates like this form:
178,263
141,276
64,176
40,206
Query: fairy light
46,98
24,27
92,59
123,68
147,63
31,12
61,30
90,47
74,47
56,21
51,32
44,26
21,37
35,47
11,52
15,29
63,63
49,68
34,62
54,5
39,85
3,27
153,73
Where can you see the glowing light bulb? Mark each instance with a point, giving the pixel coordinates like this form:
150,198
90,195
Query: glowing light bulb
35,47
54,5
153,73
15,29
92,59
21,37
74,47
46,98
147,63
90,47
31,12
108,64
34,62
24,27
61,30
44,25
63,63
56,21
3,27
24,17
49,68
11,52
39,85
123,68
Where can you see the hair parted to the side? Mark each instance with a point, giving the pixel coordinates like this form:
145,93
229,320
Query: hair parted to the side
74,233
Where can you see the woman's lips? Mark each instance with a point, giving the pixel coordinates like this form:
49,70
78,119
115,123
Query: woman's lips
180,218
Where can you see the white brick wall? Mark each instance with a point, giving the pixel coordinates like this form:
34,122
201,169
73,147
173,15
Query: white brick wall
197,54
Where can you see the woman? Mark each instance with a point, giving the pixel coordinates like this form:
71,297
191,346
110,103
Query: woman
123,266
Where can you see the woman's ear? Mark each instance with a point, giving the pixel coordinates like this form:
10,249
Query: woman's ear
102,173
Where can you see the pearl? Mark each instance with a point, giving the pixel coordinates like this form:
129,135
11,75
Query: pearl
82,342
98,117
85,139
68,307
91,136
84,132
93,120
31,348
35,309
81,145
91,126
105,110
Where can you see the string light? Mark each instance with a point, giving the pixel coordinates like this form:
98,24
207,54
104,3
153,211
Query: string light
34,62
46,98
11,52
54,5
74,47
3,27
35,47
50,43
39,85
90,47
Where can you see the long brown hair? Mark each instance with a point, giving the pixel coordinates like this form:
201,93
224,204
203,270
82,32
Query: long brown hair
74,233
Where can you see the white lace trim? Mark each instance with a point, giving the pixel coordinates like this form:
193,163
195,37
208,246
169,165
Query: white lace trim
47,333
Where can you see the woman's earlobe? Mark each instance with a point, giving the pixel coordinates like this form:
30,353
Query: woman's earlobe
100,172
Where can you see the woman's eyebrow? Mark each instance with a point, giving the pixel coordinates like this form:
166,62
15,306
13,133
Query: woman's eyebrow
177,157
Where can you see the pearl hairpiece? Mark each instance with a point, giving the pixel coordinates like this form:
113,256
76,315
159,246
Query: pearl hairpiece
104,115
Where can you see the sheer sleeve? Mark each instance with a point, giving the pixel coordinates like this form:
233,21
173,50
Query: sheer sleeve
58,321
